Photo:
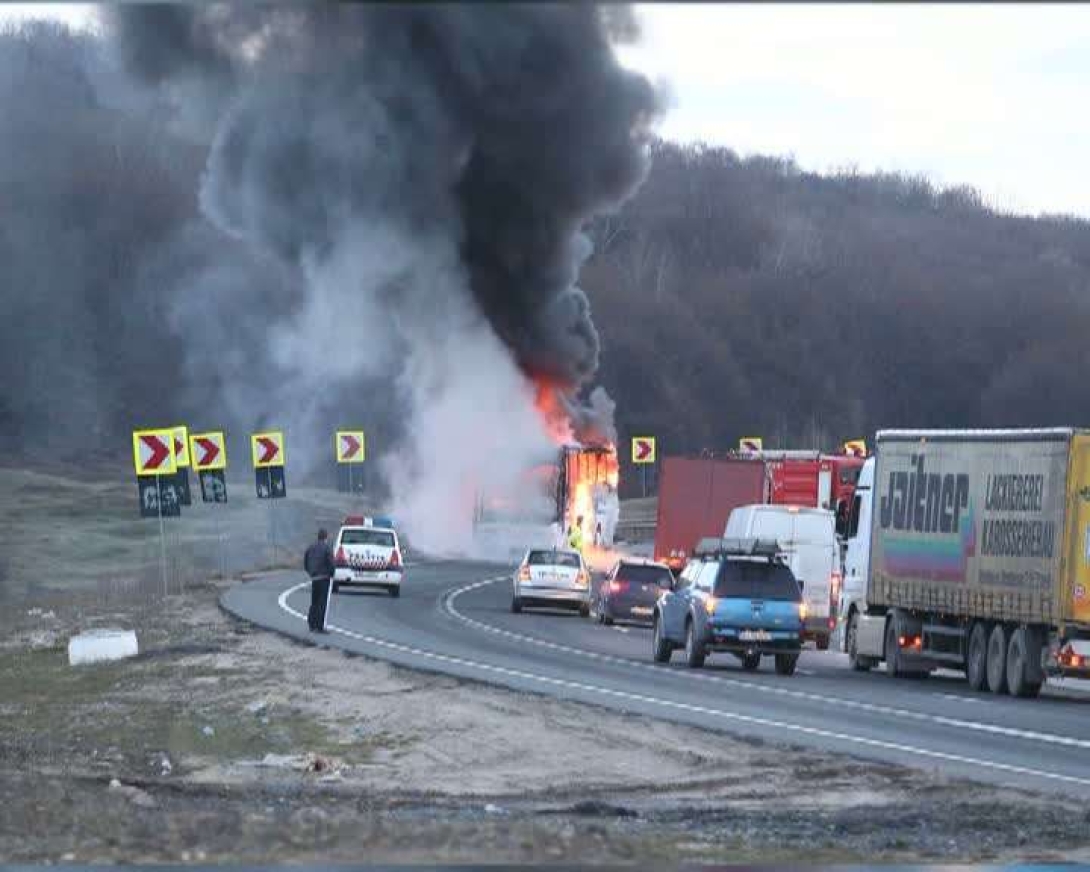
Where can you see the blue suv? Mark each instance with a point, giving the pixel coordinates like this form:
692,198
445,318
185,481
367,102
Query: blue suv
735,595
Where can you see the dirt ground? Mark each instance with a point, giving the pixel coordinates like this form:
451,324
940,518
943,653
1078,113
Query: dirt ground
222,743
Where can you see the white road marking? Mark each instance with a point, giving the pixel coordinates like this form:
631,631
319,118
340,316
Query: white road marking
840,702
956,698
679,706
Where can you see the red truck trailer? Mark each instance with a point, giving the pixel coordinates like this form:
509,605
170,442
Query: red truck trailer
696,496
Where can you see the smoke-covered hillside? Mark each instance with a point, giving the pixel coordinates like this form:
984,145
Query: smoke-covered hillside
731,297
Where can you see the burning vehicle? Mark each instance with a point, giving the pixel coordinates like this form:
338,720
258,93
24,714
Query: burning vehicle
579,483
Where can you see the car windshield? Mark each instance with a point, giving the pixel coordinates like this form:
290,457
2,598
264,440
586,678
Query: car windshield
640,574
553,558
756,579
383,538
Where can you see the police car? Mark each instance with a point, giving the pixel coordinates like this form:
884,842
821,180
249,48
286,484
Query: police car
367,553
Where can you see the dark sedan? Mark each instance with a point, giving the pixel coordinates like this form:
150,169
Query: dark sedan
630,591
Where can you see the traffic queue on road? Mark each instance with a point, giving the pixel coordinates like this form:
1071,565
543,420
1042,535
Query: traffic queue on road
964,550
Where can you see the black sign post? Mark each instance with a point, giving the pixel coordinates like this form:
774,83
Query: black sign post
181,482
213,486
271,485
159,497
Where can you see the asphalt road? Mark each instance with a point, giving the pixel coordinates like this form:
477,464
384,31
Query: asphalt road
455,618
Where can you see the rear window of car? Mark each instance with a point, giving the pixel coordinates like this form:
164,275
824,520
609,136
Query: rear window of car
752,579
640,574
383,538
553,558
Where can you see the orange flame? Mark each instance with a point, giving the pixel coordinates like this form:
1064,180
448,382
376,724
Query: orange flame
586,469
552,411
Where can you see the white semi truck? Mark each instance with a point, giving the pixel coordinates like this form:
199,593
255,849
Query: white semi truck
970,550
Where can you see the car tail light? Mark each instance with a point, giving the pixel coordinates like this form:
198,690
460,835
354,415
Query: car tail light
834,585
583,579
395,560
1068,657
340,559
618,586
524,573
804,611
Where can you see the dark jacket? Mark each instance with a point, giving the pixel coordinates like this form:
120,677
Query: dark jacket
318,561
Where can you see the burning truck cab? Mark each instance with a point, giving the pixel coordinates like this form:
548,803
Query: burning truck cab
580,482
586,487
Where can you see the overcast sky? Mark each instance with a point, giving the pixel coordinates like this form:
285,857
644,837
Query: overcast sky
995,96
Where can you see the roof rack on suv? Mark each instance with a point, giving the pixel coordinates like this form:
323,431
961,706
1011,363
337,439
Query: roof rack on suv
736,546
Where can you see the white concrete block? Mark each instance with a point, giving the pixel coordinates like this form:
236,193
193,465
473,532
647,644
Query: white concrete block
96,646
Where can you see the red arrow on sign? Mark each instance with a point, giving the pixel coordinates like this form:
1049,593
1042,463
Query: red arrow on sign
270,447
643,449
159,449
210,450
351,446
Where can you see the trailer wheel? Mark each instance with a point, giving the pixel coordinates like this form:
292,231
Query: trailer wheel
997,659
892,649
1023,655
855,661
976,661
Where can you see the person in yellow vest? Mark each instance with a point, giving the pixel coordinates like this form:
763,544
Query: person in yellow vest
575,537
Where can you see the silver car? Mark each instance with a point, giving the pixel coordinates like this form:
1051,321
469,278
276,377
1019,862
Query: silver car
556,578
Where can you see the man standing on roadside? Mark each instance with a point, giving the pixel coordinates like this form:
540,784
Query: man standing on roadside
318,563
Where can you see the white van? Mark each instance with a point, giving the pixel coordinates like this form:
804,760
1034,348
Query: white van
807,538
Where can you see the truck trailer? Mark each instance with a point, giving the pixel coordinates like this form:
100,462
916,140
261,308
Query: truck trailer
696,497
970,550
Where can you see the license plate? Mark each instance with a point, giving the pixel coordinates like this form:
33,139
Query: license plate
641,610
754,635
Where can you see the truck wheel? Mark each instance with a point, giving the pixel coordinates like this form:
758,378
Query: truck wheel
976,662
751,662
893,649
786,663
997,659
694,651
1021,672
857,663
661,649
516,604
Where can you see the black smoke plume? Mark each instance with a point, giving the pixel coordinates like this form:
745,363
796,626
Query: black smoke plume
504,127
